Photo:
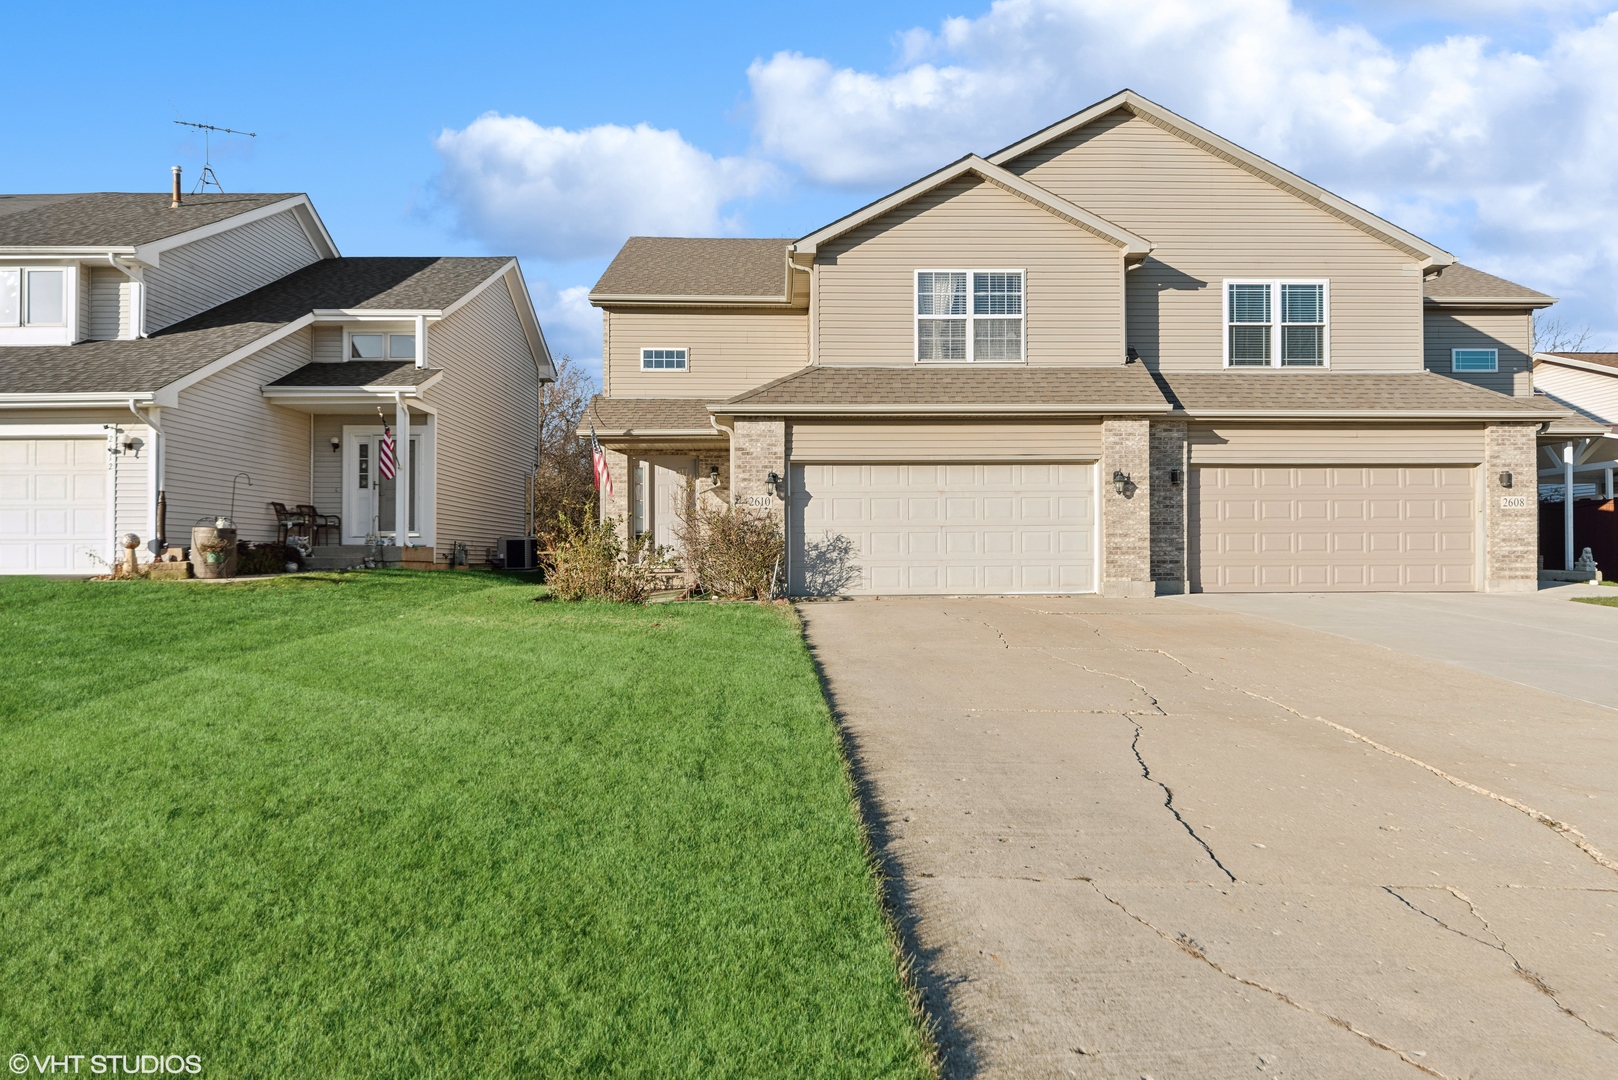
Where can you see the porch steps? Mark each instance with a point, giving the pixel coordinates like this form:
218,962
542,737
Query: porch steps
353,556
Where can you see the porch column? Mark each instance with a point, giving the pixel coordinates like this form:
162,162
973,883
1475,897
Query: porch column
401,471
1567,506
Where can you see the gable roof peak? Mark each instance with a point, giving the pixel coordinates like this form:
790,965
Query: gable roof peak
1428,254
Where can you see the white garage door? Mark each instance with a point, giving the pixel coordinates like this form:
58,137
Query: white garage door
53,505
1333,528
956,528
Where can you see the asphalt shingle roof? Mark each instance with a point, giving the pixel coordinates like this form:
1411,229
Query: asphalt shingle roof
115,218
1458,282
626,416
145,364
1303,390
1605,359
1122,385
358,373
684,266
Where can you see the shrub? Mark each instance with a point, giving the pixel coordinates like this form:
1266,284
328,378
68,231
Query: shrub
264,558
729,552
590,562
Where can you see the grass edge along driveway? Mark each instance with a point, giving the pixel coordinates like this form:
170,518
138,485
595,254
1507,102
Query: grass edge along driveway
402,824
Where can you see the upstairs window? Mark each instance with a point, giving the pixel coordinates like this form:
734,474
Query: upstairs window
30,297
985,323
371,346
1276,323
1474,359
662,359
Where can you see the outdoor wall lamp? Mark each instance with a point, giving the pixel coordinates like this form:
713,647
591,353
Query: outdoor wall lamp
1174,477
1119,481
336,444
713,475
771,482
1505,479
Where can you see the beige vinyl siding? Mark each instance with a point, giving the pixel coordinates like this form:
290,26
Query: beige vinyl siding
1510,332
1211,221
81,285
131,511
1588,391
328,346
487,428
864,310
224,426
197,276
108,306
730,351
1346,444
936,440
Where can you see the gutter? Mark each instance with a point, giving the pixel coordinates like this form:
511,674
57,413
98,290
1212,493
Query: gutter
1109,409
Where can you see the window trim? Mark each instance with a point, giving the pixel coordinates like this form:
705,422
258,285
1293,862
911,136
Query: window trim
971,337
1492,368
387,335
69,296
1275,322
685,359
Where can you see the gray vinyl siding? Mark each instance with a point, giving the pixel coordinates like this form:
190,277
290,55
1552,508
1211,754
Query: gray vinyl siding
131,511
195,277
487,421
1212,220
109,305
1512,333
328,345
942,440
864,305
223,426
729,351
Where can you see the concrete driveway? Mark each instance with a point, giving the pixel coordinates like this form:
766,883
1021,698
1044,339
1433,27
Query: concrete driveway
1159,839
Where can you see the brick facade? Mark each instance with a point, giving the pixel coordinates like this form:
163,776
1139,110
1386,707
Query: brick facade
758,448
1126,529
1510,534
1170,476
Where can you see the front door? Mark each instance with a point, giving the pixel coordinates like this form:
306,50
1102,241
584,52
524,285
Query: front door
372,500
662,492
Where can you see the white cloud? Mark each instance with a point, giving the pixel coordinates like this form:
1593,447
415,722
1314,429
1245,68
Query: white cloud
572,326
563,195
1511,157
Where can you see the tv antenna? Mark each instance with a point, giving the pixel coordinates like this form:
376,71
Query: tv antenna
208,176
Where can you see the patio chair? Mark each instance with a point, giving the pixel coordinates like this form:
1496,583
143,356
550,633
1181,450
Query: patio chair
288,522
318,521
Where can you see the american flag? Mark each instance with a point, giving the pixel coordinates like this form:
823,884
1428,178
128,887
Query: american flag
384,454
599,457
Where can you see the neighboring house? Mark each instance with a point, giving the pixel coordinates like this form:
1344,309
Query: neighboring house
1587,456
1122,355
149,348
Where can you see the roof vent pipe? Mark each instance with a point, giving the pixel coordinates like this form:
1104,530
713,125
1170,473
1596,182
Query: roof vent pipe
174,203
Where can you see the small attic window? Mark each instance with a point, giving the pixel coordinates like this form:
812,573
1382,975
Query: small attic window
662,359
365,347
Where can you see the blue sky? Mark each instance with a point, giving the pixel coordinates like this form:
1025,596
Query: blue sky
1489,126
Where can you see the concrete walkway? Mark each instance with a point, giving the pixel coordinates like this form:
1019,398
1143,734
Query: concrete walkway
1159,839
1544,639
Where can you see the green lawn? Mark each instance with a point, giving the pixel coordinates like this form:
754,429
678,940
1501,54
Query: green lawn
399,824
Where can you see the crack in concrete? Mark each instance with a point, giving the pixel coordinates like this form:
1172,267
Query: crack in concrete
1004,644
1145,770
1191,947
1562,828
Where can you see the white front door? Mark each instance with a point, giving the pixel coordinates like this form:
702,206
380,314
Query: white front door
53,506
662,490
370,500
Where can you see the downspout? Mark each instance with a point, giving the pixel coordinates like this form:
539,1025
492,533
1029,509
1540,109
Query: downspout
1567,506
137,297
158,499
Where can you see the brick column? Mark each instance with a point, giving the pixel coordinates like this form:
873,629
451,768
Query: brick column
1126,528
616,505
1510,533
1168,506
758,448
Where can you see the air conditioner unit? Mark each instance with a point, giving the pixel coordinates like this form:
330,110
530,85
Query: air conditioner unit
519,553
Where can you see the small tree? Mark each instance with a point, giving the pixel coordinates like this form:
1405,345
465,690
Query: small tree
589,562
564,482
1551,334
728,551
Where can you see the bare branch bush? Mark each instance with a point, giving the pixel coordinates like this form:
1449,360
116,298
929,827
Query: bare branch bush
564,483
728,551
1551,334
588,561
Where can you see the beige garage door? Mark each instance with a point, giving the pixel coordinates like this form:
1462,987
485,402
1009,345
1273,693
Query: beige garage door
53,505
1325,528
937,528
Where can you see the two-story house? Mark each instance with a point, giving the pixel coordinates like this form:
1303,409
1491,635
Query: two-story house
1122,355
154,347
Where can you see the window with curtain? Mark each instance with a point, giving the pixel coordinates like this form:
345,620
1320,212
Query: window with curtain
1276,323
969,315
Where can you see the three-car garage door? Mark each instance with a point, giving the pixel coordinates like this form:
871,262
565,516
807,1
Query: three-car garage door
1333,528
53,505
985,527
